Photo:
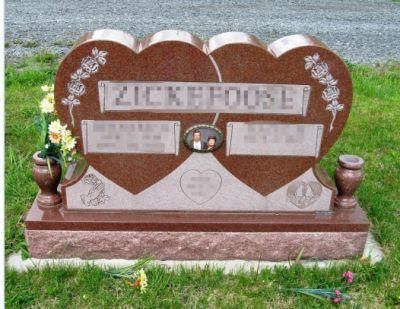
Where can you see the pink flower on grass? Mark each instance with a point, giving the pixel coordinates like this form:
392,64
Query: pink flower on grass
348,275
336,300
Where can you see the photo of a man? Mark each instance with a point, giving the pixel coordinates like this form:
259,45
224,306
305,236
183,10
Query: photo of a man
196,143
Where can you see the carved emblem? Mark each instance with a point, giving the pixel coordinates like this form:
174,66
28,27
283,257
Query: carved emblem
200,187
76,87
320,71
96,194
303,194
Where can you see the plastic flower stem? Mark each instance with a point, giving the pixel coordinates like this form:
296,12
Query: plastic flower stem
313,295
48,165
305,292
298,258
139,264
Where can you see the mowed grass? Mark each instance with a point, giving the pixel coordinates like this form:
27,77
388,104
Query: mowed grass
372,132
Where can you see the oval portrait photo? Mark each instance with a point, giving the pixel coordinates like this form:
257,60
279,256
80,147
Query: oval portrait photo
203,138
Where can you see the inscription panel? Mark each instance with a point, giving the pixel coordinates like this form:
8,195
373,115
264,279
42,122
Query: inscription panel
109,136
272,139
202,97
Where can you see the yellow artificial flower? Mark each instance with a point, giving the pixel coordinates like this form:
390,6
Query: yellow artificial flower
50,97
56,126
55,131
46,106
55,137
47,88
67,141
64,132
143,280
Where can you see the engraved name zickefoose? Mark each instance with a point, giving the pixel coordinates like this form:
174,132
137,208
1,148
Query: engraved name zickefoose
204,97
124,136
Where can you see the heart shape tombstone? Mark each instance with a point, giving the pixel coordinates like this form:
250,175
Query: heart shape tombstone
177,56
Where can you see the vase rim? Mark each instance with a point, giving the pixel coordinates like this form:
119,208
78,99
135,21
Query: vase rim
39,160
351,161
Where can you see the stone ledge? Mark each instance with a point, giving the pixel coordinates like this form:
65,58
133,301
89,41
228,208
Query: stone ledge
265,246
339,220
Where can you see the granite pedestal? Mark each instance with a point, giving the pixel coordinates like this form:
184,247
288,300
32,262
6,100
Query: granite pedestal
195,235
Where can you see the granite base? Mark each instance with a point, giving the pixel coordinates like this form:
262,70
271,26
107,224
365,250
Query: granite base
59,233
273,246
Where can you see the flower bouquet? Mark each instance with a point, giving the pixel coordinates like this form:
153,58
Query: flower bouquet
133,275
57,149
57,142
336,295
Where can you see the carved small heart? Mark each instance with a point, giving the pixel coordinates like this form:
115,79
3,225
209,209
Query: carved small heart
200,187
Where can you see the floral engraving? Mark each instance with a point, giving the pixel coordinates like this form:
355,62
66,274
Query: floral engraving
76,87
320,71
96,195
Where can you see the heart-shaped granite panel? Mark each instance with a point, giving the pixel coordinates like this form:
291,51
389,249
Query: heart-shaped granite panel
157,58
179,56
297,59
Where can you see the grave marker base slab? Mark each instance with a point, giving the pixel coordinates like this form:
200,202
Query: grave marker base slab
195,236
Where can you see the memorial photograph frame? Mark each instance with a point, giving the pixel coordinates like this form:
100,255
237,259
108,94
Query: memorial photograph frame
206,142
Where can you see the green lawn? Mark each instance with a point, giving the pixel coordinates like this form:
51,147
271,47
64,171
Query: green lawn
372,132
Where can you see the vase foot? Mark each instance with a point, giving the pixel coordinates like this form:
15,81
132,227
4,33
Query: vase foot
49,200
345,202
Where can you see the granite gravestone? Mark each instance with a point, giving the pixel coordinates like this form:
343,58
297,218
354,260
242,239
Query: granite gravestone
199,137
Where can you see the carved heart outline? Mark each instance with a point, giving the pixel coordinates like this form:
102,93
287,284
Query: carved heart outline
212,194
230,57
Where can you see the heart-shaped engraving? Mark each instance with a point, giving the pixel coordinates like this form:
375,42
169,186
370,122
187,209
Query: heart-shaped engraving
200,187
176,56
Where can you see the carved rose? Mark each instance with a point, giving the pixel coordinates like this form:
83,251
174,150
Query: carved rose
76,87
311,61
328,80
330,93
90,65
319,70
80,74
99,55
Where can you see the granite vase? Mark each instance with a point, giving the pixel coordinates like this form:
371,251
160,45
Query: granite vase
348,177
47,177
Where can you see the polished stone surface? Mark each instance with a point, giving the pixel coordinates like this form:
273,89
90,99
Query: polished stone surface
178,56
339,220
201,184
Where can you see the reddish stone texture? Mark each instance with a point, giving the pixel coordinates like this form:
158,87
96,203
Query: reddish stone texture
180,56
276,246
